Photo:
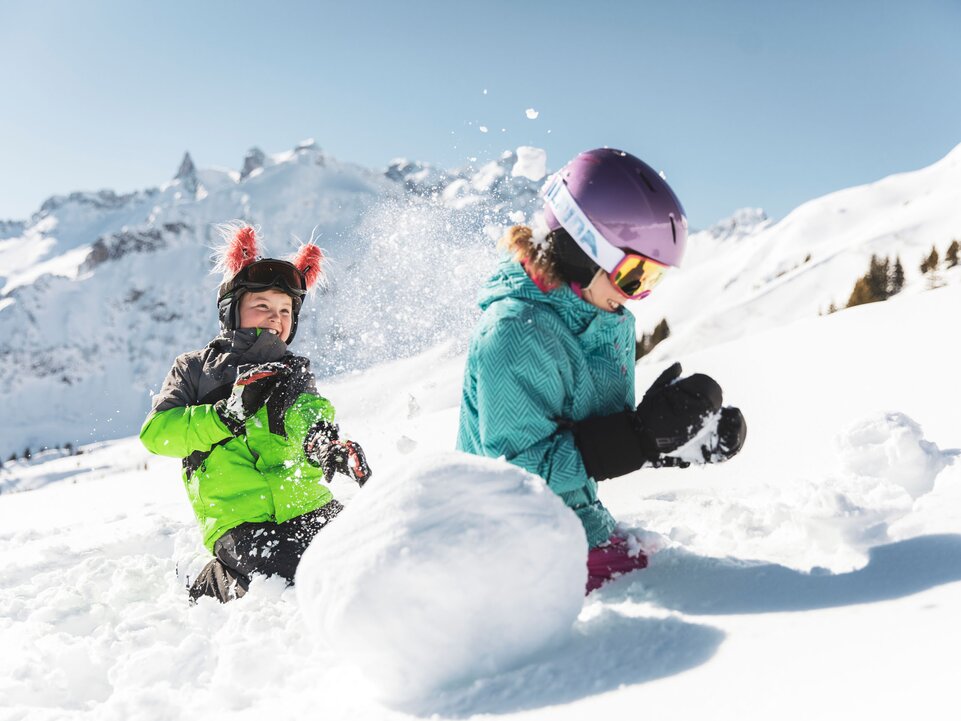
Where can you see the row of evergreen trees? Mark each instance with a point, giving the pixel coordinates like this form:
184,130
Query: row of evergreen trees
27,454
933,261
882,280
885,278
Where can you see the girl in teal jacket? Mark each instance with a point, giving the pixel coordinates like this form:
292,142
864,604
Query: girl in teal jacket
258,442
549,379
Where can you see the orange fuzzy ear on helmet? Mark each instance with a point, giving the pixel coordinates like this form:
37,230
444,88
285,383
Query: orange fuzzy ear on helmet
309,261
241,250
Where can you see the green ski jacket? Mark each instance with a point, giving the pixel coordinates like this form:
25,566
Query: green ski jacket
262,475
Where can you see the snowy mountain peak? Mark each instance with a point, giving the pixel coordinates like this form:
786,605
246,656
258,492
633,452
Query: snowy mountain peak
187,174
254,160
187,168
11,228
743,222
100,200
308,144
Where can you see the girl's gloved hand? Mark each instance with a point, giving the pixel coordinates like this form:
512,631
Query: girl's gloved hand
671,413
674,409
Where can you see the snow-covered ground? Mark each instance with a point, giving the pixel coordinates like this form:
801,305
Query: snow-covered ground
816,575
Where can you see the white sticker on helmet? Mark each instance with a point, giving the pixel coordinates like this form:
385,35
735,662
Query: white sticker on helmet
575,222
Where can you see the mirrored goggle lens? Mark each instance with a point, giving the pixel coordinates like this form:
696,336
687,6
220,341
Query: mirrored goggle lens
271,273
635,276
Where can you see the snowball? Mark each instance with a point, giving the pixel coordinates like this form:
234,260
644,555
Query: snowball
891,447
531,114
458,568
483,128
531,163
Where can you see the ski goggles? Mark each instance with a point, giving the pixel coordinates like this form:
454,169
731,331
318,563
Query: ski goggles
635,276
280,274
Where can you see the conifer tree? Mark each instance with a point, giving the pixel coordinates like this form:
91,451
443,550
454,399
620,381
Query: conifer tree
647,342
951,257
877,279
832,308
861,293
931,262
897,277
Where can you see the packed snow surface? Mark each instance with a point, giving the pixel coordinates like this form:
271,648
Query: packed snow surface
457,568
816,575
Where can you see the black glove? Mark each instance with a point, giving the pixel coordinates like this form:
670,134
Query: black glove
670,414
325,450
294,380
251,390
673,411
724,442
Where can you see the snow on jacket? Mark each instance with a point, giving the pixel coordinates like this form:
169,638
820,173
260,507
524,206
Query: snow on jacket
537,360
261,475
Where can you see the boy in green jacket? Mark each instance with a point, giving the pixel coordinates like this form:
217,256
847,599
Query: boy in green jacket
258,442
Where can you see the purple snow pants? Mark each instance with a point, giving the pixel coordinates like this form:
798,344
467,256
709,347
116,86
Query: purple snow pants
610,560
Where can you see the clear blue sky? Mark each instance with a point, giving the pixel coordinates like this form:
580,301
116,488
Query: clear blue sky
767,103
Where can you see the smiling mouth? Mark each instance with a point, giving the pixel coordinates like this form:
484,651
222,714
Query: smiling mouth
613,304
271,330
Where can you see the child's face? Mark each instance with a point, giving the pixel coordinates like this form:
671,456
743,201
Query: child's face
271,310
602,294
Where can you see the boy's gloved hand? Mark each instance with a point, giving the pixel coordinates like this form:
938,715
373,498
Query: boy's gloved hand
670,414
332,455
251,390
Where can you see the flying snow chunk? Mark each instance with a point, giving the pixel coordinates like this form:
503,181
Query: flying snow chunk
531,114
531,163
483,128
458,568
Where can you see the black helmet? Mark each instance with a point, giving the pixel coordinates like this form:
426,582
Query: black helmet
245,271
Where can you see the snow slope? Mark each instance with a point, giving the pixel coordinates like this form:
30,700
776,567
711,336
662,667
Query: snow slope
817,575
741,278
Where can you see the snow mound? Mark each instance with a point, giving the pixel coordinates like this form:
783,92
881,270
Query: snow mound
892,447
459,568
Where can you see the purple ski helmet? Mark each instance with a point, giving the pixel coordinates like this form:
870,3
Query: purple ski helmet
614,195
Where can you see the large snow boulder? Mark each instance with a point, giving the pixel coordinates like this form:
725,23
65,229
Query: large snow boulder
458,568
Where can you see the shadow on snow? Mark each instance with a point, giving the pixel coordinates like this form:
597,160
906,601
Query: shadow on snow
696,585
612,650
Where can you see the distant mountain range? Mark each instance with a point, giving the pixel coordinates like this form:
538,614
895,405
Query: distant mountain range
99,291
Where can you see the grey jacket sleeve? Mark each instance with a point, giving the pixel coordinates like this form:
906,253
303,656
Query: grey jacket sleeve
180,387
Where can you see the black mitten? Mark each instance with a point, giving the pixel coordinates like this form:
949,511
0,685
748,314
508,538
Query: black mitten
251,390
673,411
670,414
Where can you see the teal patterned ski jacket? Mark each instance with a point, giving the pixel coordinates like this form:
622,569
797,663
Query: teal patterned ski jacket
537,359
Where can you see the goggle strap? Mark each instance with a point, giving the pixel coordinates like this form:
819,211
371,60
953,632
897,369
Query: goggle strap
578,225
